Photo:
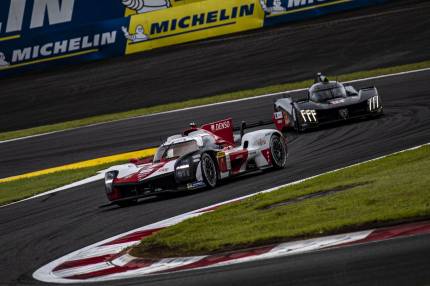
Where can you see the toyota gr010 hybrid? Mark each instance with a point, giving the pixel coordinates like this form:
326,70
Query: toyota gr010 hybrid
327,102
197,158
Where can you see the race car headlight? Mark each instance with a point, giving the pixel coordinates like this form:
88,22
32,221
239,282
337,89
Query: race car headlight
183,169
373,103
183,172
309,115
109,177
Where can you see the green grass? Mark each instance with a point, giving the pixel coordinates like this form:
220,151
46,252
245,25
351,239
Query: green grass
24,188
200,101
388,190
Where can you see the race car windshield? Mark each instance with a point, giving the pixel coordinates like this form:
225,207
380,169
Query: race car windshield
175,150
324,94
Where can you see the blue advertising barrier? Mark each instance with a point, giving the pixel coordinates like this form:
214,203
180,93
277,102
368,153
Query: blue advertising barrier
38,50
37,34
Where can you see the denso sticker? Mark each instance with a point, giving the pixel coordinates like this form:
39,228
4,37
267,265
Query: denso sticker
220,125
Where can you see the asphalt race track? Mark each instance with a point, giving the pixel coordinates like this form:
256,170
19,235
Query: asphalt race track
406,124
35,232
40,230
386,35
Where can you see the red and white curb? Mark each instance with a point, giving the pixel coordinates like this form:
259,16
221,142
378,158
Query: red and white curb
105,260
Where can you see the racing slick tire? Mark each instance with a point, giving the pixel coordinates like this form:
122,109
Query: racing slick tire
209,170
278,151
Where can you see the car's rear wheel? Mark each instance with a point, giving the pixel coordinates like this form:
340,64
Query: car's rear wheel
209,170
278,151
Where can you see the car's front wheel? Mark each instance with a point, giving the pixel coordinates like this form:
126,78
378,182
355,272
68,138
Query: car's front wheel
209,170
278,151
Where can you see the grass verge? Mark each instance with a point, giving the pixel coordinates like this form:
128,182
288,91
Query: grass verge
27,187
375,193
200,101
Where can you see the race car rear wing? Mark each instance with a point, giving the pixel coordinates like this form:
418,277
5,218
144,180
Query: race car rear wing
222,128
244,125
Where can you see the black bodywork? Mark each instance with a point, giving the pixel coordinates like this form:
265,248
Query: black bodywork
329,102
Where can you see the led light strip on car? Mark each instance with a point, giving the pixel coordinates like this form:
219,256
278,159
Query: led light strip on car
373,103
309,115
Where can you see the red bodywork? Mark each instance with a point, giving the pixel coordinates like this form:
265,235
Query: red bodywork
281,120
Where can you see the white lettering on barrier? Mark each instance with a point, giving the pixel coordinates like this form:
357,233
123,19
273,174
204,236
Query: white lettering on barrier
55,13
64,46
278,7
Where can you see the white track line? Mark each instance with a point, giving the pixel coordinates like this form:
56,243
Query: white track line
66,187
211,105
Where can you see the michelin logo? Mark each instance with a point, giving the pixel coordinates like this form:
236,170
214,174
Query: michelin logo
139,36
280,6
145,6
60,48
195,20
43,13
3,62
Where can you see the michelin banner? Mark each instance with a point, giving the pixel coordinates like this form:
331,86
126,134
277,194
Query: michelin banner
35,34
38,34
192,22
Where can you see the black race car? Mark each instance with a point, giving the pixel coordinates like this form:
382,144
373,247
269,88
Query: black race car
327,102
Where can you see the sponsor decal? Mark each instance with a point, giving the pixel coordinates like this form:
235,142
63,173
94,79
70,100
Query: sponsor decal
220,125
281,7
195,185
138,36
3,61
145,6
63,46
220,154
337,101
190,22
202,19
150,169
278,115
42,13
